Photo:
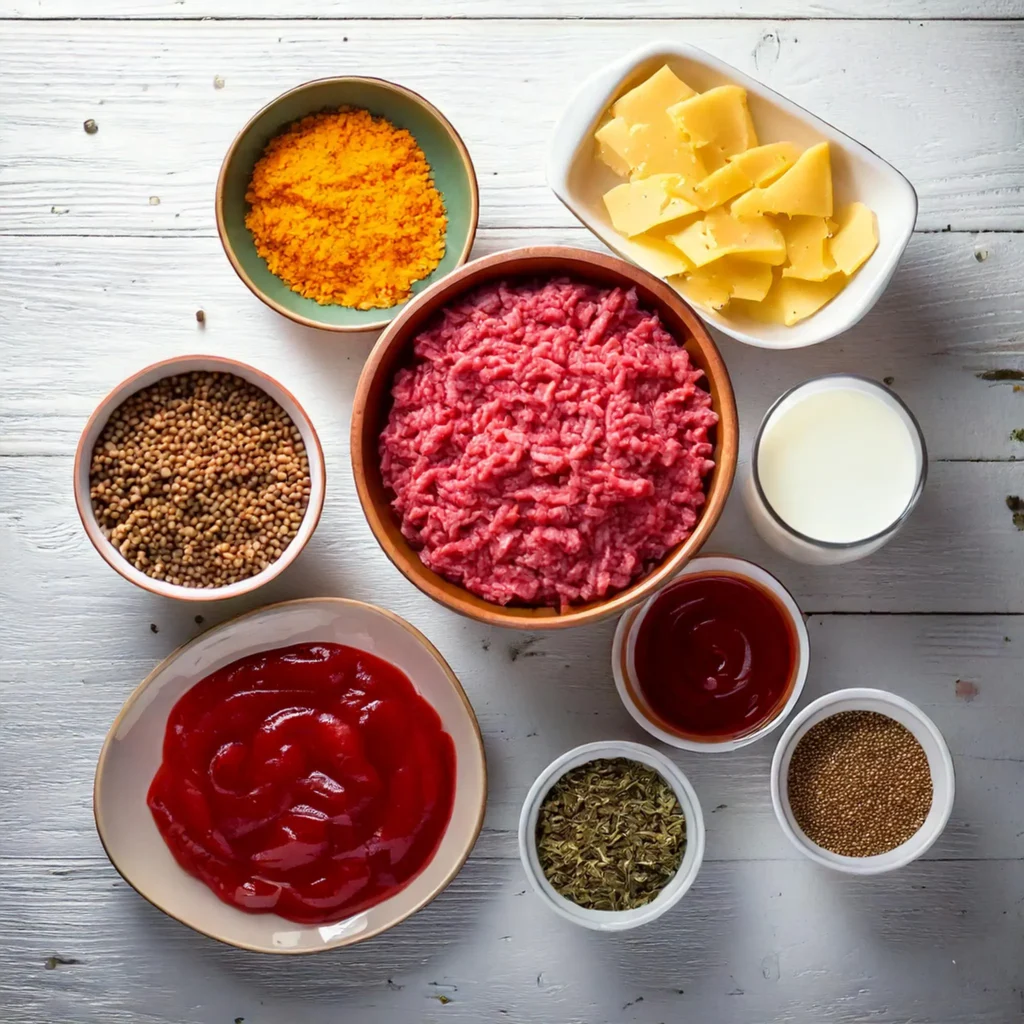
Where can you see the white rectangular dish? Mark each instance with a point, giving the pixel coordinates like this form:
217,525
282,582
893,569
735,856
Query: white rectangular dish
580,179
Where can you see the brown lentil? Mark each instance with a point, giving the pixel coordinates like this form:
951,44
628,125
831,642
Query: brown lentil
200,480
859,784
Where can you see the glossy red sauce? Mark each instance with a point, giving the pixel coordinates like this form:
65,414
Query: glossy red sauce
310,781
714,656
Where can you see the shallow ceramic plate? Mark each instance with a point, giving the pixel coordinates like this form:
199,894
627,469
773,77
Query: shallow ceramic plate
579,179
445,152
133,748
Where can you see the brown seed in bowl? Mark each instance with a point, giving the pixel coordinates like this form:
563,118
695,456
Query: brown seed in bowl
200,480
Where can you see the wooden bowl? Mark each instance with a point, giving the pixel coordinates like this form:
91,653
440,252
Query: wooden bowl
445,151
373,403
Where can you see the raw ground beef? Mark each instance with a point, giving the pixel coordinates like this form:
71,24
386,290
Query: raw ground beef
548,444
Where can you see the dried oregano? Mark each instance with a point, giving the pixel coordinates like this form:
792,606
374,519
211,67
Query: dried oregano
610,834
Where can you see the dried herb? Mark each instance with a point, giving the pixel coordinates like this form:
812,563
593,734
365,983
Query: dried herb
1017,435
1001,375
610,834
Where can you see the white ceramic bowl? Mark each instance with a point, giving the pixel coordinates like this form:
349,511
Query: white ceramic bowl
624,645
939,761
169,368
579,179
613,920
134,747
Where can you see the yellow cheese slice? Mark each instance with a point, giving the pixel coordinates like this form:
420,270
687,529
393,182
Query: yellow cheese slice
612,139
717,117
791,300
649,101
763,164
855,237
731,277
713,158
655,255
806,188
718,234
638,206
719,187
807,248
649,149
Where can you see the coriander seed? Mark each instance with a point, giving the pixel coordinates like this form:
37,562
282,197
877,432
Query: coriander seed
200,480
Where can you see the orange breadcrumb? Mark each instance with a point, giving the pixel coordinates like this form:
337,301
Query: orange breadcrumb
344,210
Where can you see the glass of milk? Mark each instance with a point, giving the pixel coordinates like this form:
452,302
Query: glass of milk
837,467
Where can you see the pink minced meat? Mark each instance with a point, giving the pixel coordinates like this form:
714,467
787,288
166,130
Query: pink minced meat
548,444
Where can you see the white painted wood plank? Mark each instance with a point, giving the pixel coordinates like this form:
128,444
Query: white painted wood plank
939,99
125,302
394,9
535,698
753,941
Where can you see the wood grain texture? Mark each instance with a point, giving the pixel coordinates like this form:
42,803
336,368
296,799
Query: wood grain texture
95,281
940,100
397,9
753,941
113,305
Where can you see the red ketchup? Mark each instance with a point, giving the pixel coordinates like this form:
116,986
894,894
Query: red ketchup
309,781
715,656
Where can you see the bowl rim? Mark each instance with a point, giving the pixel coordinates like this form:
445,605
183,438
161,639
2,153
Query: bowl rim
458,282
165,663
886,393
222,232
585,107
83,504
710,564
616,920
874,699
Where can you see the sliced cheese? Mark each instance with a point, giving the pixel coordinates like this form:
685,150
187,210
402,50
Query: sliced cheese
717,117
792,300
655,255
638,206
731,277
713,158
805,189
718,235
807,248
855,237
647,149
763,164
649,101
719,187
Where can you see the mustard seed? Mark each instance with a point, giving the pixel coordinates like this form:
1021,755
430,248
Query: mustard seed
859,784
201,519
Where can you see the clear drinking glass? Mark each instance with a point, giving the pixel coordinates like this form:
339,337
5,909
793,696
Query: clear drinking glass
785,538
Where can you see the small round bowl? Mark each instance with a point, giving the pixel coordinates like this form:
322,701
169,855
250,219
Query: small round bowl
624,644
372,405
169,368
133,750
925,732
613,920
445,151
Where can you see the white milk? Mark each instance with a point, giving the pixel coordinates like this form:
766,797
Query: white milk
839,461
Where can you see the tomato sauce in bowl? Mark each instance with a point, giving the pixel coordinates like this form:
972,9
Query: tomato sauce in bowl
309,781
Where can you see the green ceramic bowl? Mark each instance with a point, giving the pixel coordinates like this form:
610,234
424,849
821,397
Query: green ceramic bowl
445,151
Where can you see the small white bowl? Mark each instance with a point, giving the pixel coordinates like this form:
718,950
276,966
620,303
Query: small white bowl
613,920
624,646
579,179
133,751
169,368
925,732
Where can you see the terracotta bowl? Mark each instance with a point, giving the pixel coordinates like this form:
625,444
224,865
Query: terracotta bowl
133,749
169,368
373,403
444,149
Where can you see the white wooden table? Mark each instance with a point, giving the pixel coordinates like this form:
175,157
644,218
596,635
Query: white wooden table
107,249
